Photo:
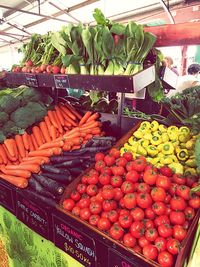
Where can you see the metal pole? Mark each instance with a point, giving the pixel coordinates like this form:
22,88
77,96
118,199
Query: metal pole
167,11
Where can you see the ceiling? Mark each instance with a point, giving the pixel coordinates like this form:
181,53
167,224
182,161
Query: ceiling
21,18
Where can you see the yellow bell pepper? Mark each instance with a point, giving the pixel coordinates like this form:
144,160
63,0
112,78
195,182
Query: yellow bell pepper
144,142
182,155
167,160
172,128
145,125
123,150
155,160
158,165
191,162
156,140
157,133
182,145
175,143
159,147
184,130
167,148
131,141
152,151
173,136
160,155
147,136
162,128
141,150
173,157
165,137
190,171
183,137
138,134
154,126
176,167
190,144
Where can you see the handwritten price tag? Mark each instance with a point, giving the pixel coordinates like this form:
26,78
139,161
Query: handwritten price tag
31,80
61,81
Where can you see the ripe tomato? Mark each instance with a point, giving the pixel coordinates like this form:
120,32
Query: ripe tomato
167,198
128,156
139,164
129,166
194,202
189,213
84,202
99,196
93,179
108,192
116,181
118,170
143,188
99,156
114,152
129,241
144,200
125,221
186,225
142,241
178,179
162,219
158,194
68,204
165,259
149,213
76,210
109,160
103,224
137,249
137,214
190,180
173,246
93,172
81,188
163,182
116,231
166,171
106,170
172,189
150,177
123,212
177,217
183,191
109,204
132,176
179,232
148,223
118,194
75,195
95,207
129,201
127,187
104,178
113,216
84,178
159,208
165,230
121,162
121,203
137,229
177,203
85,214
151,234
150,252
104,214
99,165
92,190
93,220
160,243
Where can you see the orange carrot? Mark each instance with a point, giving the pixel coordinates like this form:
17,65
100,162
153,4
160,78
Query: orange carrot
52,118
3,154
76,147
68,124
68,112
14,180
60,128
34,161
9,143
51,144
57,150
60,116
43,153
8,154
20,145
25,140
67,147
85,118
66,116
35,145
77,140
45,132
83,134
48,123
93,117
38,135
96,130
31,146
44,159
35,168
53,132
86,124
72,135
88,136
20,173
73,110
93,125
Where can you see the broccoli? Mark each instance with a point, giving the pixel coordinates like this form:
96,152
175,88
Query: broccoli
10,129
3,117
2,137
8,103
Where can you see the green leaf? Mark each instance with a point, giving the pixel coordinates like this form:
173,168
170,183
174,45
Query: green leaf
107,43
118,29
100,18
58,42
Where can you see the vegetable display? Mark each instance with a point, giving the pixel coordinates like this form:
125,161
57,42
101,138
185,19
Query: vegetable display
145,208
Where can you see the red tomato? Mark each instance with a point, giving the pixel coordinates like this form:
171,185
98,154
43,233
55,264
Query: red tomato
92,190
93,179
68,204
173,246
84,178
165,230
118,170
166,171
93,220
121,203
163,182
137,249
129,200
121,162
85,214
128,156
139,164
190,180
129,241
177,217
151,234
143,188
116,181
189,213
137,214
172,189
132,176
148,223
114,152
186,225
125,221
109,205
106,170
179,232
137,229
108,192
84,202
158,194
76,210
104,178
123,212
128,187
144,200
93,172
183,191
109,160
150,252
165,259
118,194
159,208
113,216
104,214
177,203
81,188
99,156
168,210
149,213
99,165
195,185
194,202
103,224
142,241
150,177
95,207
167,198
75,195
116,231
162,219
161,243
178,179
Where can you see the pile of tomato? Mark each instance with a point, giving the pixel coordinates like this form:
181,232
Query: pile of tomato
147,209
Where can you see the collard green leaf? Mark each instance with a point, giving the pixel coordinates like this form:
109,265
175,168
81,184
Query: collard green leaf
58,42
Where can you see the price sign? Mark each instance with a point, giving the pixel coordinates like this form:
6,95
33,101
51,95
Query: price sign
33,216
117,260
7,197
61,81
74,242
31,80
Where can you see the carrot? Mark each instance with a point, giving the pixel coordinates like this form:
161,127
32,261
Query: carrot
20,173
60,128
1,160
14,180
45,132
67,147
72,135
9,143
20,145
51,144
59,115
3,154
86,124
82,134
52,118
86,131
93,117
44,159
53,132
68,112
31,146
88,136
8,154
37,161
76,147
25,141
38,135
93,125
48,123
68,124
85,118
29,167
57,150
66,116
77,140
16,149
96,130
43,153
35,145
73,110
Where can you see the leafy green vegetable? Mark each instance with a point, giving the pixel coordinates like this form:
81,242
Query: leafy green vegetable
8,103
10,128
2,136
3,117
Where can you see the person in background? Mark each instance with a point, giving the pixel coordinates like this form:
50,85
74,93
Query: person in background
168,62
187,81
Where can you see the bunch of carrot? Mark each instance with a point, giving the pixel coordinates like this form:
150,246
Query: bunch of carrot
62,129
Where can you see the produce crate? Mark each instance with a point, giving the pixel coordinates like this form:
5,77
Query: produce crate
135,259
